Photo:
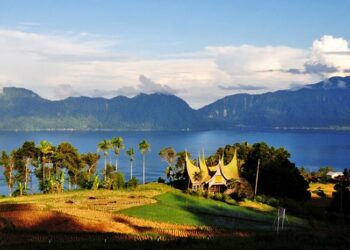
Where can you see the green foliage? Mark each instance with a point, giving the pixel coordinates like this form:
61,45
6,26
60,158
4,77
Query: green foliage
133,183
241,189
160,180
278,176
96,183
118,182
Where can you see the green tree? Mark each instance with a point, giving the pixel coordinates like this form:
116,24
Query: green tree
168,154
131,154
118,145
68,157
28,152
144,147
7,162
104,146
46,151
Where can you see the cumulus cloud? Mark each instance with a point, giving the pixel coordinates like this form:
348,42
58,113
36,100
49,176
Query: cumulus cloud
147,86
59,65
241,87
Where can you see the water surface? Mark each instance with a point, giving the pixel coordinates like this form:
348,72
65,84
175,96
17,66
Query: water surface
311,149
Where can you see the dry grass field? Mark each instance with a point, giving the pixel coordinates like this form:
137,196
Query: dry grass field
152,211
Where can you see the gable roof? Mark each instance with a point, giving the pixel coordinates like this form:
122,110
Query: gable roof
192,169
230,171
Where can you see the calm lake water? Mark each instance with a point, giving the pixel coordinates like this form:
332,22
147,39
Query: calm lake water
311,149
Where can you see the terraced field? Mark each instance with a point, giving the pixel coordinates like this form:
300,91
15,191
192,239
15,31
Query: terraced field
151,211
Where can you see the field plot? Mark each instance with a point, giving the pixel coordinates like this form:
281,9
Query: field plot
152,211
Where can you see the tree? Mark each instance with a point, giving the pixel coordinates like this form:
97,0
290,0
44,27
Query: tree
104,146
28,152
169,155
144,147
118,145
7,162
46,151
90,163
131,153
68,158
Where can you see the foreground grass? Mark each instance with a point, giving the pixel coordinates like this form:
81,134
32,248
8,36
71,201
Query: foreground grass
177,208
337,239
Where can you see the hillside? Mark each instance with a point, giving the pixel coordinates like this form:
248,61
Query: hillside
22,109
323,105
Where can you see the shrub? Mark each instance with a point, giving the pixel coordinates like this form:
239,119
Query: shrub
161,180
118,182
218,196
133,182
231,201
273,202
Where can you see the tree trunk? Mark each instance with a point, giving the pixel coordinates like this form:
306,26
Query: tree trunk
130,170
105,173
26,175
116,163
143,168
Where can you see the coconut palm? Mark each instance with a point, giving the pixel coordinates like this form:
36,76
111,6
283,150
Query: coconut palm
118,145
144,147
130,152
45,148
104,146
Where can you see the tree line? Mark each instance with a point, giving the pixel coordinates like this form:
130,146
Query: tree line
53,166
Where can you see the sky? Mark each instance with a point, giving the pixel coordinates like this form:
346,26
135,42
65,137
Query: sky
200,50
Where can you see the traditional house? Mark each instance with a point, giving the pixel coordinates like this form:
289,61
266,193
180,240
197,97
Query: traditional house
213,178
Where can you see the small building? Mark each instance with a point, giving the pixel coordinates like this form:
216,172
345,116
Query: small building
334,175
211,178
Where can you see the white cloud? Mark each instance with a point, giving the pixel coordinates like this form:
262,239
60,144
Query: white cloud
61,65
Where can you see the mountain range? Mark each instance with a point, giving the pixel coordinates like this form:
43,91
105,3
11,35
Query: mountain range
322,105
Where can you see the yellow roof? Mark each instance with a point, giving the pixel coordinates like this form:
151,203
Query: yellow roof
204,169
230,171
192,170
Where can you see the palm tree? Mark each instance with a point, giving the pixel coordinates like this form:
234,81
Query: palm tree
144,147
46,149
117,144
130,152
104,146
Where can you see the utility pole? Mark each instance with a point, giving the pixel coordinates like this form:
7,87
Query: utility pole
257,178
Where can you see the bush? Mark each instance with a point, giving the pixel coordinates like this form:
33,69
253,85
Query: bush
161,180
231,201
218,196
132,183
118,182
271,201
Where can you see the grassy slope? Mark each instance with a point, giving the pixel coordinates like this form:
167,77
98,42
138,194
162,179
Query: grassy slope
156,202
175,207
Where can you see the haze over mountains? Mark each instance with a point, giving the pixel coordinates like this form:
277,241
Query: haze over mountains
322,105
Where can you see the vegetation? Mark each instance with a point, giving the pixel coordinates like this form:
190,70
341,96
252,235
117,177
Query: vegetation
56,166
144,147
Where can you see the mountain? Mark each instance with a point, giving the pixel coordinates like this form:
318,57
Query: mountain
22,109
322,105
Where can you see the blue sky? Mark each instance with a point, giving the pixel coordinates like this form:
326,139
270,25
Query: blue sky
200,35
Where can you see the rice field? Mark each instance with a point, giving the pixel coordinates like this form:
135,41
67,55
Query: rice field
152,211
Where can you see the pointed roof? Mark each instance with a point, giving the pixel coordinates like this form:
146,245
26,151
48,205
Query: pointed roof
204,168
192,170
230,171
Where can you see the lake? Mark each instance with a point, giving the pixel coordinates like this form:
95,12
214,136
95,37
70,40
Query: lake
311,149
